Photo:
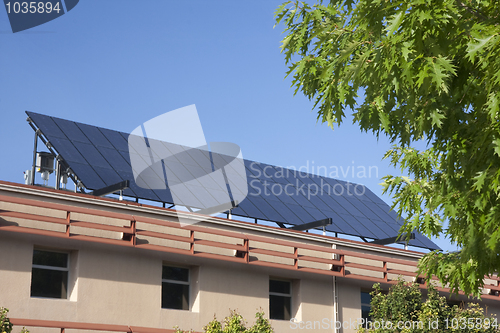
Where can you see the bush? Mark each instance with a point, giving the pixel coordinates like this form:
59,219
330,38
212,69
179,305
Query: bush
5,324
235,323
403,304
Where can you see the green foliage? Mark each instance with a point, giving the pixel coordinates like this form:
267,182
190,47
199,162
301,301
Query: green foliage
5,324
416,70
235,323
402,310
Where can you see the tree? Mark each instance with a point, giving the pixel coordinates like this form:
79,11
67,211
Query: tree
416,70
235,323
402,310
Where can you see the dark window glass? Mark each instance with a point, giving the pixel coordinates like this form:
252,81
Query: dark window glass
49,283
365,312
279,307
366,299
49,275
175,296
282,287
280,299
46,258
175,288
175,273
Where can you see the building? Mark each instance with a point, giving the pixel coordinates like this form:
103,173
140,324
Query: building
72,260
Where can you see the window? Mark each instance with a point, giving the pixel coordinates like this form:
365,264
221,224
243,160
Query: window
280,299
175,288
366,299
49,274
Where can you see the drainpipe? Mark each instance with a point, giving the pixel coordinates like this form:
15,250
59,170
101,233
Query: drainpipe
335,297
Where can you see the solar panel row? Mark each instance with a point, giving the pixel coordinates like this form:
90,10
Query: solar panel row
100,157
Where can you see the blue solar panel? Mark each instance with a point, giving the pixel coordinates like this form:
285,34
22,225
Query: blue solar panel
87,176
252,210
185,158
358,226
164,195
222,197
300,212
339,224
114,158
108,176
47,124
115,138
374,229
266,208
100,157
184,196
67,150
91,155
201,194
143,193
315,213
71,130
95,136
370,195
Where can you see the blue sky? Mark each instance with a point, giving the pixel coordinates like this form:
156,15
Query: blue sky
119,63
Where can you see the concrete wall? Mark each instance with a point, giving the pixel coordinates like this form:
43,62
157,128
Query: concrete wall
112,284
115,285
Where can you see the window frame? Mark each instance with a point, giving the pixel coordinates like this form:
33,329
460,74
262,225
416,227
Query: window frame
178,282
289,296
52,268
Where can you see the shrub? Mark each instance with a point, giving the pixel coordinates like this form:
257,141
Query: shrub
5,324
403,304
235,323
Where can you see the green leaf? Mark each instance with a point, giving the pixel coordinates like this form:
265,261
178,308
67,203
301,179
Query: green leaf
479,180
395,23
437,118
473,48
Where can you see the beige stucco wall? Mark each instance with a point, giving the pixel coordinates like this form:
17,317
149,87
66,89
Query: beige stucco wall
118,285
114,285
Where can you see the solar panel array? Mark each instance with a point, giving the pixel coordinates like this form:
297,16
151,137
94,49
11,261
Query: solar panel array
100,157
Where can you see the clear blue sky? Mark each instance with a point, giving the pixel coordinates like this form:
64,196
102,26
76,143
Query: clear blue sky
118,63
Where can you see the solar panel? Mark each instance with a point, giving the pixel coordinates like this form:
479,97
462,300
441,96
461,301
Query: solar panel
100,157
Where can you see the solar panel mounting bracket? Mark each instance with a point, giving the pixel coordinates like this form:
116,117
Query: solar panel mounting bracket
392,240
111,188
312,225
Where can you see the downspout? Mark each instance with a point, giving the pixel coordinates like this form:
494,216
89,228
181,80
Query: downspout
335,297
